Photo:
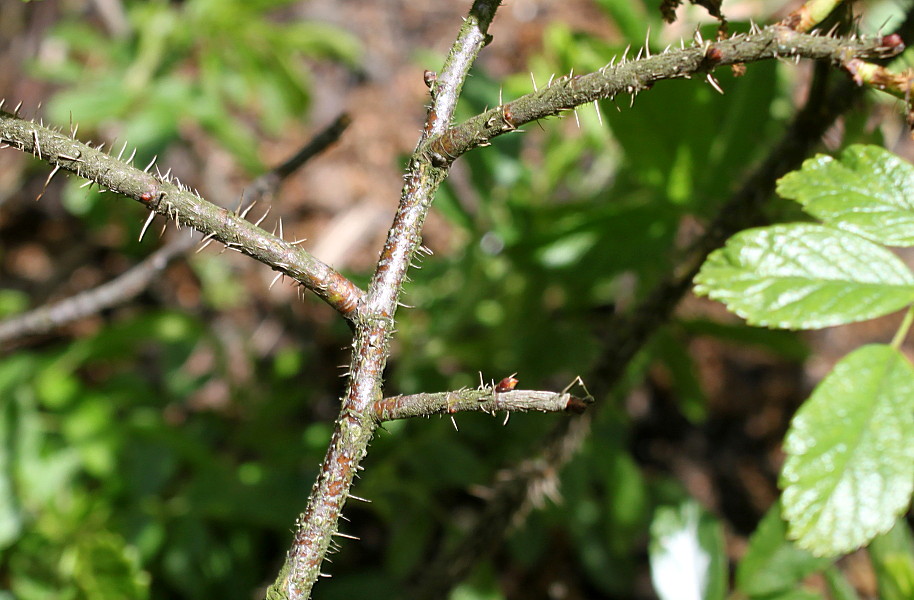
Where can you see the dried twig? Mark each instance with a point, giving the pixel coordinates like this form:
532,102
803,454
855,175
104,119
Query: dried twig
117,291
514,492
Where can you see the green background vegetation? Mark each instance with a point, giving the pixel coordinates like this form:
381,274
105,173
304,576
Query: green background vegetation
112,485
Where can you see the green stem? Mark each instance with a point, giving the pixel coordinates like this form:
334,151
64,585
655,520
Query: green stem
902,332
810,14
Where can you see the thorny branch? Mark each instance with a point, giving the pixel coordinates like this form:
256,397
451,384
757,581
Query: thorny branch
425,172
163,196
633,76
374,326
132,282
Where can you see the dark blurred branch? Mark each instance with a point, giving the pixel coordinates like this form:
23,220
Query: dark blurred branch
478,400
513,493
374,325
165,196
269,182
132,282
117,291
627,335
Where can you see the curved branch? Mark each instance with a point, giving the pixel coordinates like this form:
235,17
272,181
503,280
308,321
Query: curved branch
478,400
633,76
131,283
166,197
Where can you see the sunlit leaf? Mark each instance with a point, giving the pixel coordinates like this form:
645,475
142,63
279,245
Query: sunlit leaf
805,276
850,453
868,191
772,563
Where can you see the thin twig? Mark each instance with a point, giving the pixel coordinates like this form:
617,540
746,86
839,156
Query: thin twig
477,400
268,183
117,291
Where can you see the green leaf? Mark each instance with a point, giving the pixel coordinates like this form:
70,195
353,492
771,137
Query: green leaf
797,594
838,587
105,567
11,518
695,152
772,563
805,276
850,453
687,554
868,191
892,555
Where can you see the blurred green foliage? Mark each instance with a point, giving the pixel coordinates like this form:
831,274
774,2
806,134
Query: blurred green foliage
234,69
109,474
116,483
203,61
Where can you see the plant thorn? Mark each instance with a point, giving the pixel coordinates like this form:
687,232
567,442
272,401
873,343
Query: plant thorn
146,224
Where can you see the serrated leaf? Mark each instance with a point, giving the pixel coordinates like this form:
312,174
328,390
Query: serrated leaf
772,563
868,191
805,276
850,453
